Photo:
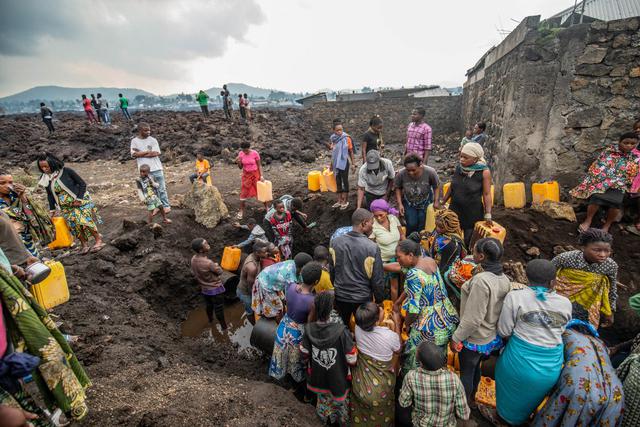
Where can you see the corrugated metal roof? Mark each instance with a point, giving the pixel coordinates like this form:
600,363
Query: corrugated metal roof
604,10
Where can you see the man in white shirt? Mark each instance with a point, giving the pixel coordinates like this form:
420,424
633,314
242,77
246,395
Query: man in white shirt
146,150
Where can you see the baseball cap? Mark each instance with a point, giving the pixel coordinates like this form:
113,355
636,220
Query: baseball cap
373,160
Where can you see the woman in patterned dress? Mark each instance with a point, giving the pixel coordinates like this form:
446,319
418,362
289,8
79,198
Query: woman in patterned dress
588,392
607,179
430,315
68,196
588,277
30,220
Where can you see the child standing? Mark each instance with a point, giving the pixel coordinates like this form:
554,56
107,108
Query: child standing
207,274
148,194
321,255
436,393
281,225
329,351
203,169
247,107
342,152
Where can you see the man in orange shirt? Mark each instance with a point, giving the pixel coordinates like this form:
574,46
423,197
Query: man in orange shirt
203,169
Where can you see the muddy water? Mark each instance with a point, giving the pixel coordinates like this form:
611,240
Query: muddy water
238,327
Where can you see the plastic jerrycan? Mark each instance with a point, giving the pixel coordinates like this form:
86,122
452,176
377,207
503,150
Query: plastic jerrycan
514,195
231,258
330,180
209,182
64,238
265,191
53,290
495,230
313,180
323,183
430,220
545,191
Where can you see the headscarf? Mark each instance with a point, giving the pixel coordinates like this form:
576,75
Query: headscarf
475,150
382,205
450,223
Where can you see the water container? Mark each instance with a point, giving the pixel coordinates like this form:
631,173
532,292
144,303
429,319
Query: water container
330,180
313,180
445,187
263,334
514,195
486,393
209,182
482,230
53,290
231,258
265,191
64,238
545,191
323,183
430,220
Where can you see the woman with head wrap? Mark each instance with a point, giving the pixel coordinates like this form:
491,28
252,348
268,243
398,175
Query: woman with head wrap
533,320
387,232
446,244
470,189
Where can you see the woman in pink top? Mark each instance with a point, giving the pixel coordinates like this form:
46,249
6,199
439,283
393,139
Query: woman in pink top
249,161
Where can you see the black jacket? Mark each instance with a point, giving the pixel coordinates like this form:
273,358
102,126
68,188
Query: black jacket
72,181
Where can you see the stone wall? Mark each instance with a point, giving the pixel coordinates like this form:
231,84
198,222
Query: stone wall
556,99
443,115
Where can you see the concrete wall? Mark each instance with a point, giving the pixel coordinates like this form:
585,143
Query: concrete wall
443,115
554,100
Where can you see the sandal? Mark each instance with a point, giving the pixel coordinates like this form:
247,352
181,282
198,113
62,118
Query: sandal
97,248
239,215
344,207
336,205
582,229
85,250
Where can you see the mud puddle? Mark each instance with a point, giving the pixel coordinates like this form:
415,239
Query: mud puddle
238,327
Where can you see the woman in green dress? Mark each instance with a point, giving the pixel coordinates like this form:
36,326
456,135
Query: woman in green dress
68,196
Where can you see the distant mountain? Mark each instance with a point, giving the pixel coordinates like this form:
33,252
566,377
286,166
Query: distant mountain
58,93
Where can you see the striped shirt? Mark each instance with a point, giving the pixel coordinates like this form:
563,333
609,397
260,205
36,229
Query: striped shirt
438,397
418,138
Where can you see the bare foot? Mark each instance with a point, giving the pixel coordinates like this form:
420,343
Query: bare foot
167,221
584,227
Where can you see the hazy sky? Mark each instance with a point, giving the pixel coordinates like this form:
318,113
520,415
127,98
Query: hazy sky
169,46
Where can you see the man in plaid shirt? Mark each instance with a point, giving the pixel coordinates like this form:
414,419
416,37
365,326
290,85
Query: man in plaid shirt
436,393
418,135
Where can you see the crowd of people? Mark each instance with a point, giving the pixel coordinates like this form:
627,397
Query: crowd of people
366,323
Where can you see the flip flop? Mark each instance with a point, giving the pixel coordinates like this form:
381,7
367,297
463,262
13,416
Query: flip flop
85,250
167,221
97,248
239,215
581,230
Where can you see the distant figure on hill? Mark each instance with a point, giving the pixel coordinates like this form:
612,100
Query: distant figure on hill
88,109
94,105
225,105
247,107
203,100
418,135
479,134
241,106
103,110
124,106
47,117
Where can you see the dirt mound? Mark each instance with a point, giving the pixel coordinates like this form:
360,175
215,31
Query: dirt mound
277,134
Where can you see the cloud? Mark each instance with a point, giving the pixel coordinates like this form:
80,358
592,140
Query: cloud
146,38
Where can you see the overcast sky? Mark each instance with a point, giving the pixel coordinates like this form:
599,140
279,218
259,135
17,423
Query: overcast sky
169,46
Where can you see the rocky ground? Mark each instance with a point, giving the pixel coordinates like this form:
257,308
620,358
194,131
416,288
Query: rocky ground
131,302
